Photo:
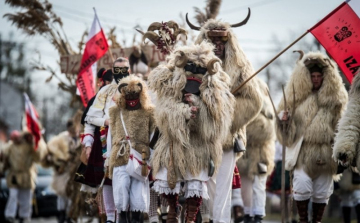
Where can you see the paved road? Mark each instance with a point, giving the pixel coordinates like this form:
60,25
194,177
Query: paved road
53,220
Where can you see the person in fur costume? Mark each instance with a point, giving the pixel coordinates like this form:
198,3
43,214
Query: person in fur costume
247,105
96,133
346,151
61,155
21,156
258,161
193,113
131,124
307,128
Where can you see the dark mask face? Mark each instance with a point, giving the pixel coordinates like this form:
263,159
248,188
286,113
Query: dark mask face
219,43
193,68
120,72
192,86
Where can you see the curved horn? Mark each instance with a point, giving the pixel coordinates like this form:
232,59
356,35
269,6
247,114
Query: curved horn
180,31
329,62
181,60
210,66
152,36
244,21
172,24
121,86
301,54
140,85
190,24
154,26
142,33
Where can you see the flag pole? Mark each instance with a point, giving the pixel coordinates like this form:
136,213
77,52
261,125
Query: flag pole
267,64
109,49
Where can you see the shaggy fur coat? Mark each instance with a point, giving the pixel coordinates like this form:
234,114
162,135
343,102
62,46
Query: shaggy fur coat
61,156
348,137
248,100
260,139
316,115
194,141
21,159
139,123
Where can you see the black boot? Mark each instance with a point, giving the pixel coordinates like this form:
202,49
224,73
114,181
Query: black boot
258,219
248,219
357,209
318,212
61,217
302,207
135,216
123,217
346,212
238,213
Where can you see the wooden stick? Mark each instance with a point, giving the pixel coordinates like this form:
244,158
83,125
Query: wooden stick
283,198
111,55
272,102
267,64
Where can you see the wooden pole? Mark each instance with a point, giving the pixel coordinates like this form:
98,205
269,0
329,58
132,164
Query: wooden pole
267,64
283,198
111,55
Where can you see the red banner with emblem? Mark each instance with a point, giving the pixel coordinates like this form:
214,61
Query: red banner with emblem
339,34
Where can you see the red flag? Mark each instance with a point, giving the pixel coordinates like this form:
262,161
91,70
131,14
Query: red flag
339,33
95,48
32,120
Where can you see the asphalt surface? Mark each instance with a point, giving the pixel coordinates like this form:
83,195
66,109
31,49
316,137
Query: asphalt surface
53,220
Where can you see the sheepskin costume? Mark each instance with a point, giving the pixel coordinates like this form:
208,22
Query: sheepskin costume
194,141
348,136
135,106
316,114
248,99
248,103
21,156
314,120
62,149
261,137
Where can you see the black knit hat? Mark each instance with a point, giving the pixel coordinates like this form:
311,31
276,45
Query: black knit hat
105,75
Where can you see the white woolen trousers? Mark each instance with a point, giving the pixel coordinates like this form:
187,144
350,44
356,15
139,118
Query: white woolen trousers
236,199
319,188
63,203
109,203
253,193
129,192
220,189
23,198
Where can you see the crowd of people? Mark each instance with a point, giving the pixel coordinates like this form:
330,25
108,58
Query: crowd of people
186,130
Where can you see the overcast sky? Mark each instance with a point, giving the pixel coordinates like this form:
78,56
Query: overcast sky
268,18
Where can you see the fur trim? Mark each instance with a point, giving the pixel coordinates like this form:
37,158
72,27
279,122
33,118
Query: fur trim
348,137
316,115
194,141
59,146
260,139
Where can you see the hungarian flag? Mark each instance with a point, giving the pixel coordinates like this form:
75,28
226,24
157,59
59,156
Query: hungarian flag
96,46
32,120
339,33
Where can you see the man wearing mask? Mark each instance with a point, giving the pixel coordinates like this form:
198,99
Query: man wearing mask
247,105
